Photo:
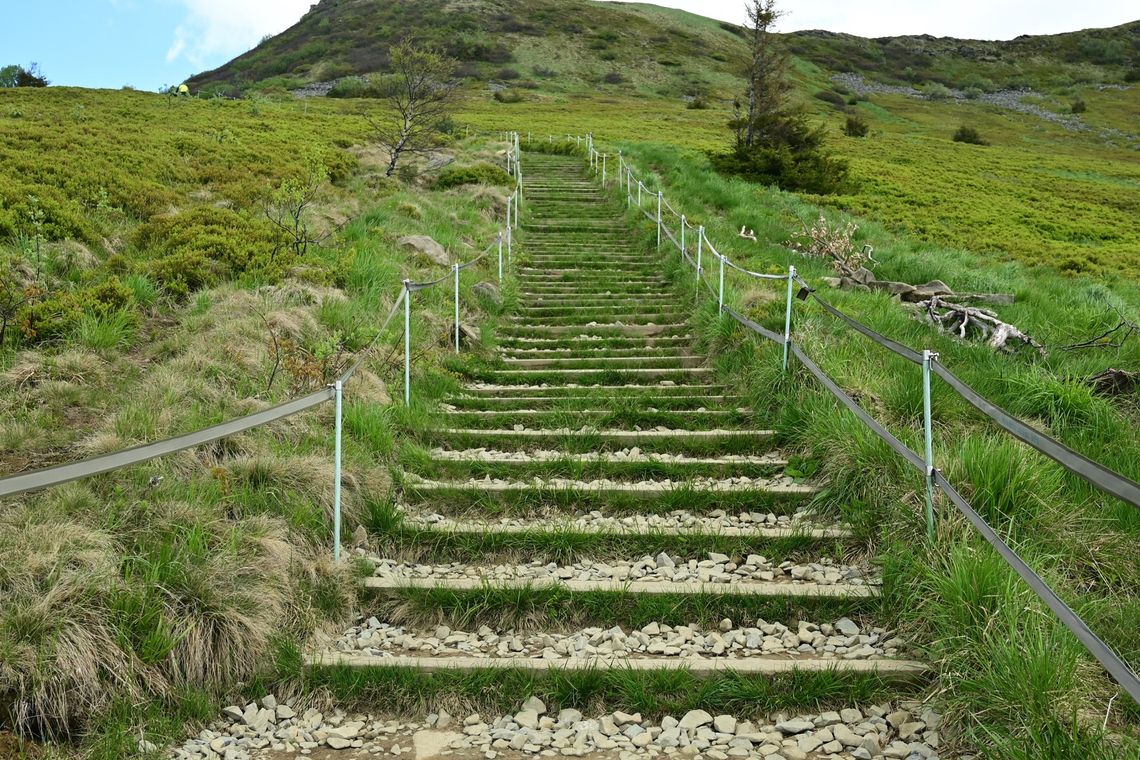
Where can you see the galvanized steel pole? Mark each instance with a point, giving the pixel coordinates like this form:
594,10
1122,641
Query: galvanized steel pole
339,389
927,357
659,198
720,295
700,247
407,343
456,268
788,316
682,235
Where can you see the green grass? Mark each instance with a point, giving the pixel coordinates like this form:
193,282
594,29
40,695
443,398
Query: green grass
653,693
1011,674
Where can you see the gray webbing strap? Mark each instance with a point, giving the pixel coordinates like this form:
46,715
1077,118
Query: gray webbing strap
900,448
1115,666
64,473
1095,473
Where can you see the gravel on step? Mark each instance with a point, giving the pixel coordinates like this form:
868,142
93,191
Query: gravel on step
269,728
632,454
664,568
843,639
678,519
729,484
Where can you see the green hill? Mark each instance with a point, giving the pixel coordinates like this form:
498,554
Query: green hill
559,45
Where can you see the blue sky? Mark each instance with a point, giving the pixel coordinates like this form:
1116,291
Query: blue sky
149,43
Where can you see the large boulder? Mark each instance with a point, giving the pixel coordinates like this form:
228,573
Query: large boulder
427,248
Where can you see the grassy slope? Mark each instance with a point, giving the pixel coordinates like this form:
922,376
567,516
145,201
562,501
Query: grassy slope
127,602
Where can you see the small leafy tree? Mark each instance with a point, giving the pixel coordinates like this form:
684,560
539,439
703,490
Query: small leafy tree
422,92
772,140
16,292
285,207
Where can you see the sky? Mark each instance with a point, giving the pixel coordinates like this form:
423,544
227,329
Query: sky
152,43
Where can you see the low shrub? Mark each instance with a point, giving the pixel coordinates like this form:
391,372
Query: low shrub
182,273
936,91
509,96
855,127
969,135
614,77
698,103
1078,106
59,315
481,173
544,73
832,97
508,73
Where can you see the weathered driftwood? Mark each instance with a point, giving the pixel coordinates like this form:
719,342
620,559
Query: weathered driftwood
973,323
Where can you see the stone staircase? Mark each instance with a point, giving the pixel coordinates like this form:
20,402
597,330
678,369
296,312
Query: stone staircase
598,501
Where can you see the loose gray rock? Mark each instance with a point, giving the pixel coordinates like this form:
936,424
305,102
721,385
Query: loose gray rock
427,248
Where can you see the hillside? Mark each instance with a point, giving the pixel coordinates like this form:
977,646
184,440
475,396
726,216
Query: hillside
555,46
536,44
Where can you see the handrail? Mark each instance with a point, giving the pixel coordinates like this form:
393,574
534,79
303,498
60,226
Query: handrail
1096,474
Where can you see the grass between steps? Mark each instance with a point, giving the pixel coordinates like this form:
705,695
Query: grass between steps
652,693
421,462
463,499
1016,682
398,539
534,608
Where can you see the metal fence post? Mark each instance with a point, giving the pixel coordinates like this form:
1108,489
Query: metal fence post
639,186
682,235
927,357
339,389
510,244
700,250
603,170
516,218
788,316
628,187
500,258
720,293
407,343
456,268
659,198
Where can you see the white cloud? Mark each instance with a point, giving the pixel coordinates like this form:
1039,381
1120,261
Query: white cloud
214,29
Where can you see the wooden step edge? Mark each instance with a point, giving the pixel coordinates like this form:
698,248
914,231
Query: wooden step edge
633,488
700,667
631,435
554,526
807,590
